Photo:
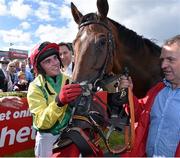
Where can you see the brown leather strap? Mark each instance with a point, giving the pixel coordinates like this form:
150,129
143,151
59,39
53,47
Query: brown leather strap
129,131
126,135
83,118
132,118
87,140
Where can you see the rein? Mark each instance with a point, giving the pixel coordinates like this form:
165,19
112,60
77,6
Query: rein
113,126
84,118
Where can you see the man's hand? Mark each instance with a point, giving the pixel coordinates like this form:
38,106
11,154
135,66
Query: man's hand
126,82
11,102
69,93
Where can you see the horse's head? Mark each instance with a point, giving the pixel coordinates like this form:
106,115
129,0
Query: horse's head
103,46
94,44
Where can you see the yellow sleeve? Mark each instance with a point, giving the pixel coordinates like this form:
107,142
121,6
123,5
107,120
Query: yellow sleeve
45,112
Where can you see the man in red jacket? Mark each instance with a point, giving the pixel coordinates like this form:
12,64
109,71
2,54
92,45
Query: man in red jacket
158,114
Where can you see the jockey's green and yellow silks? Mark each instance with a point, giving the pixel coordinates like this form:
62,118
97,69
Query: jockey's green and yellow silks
55,85
47,116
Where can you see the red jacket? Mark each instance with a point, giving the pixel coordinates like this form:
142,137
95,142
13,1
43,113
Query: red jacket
142,116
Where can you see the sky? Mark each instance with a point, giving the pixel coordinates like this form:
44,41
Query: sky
25,23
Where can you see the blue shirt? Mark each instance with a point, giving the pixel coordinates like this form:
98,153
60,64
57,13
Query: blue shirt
29,76
164,130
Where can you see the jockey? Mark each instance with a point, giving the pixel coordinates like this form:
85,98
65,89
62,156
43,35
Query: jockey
48,97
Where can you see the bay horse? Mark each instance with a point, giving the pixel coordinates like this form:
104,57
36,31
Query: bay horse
103,46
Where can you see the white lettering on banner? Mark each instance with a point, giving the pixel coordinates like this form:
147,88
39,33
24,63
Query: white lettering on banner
20,114
4,133
21,136
16,114
5,116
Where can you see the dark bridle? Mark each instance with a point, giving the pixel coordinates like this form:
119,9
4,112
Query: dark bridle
109,53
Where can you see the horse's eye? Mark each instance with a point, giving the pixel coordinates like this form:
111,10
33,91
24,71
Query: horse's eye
102,41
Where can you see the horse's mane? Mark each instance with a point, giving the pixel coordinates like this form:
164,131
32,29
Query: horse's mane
135,41
130,38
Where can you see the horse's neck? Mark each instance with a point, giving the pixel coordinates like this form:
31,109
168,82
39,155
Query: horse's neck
120,58
144,70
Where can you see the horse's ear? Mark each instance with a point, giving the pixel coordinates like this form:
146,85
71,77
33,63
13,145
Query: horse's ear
76,13
103,8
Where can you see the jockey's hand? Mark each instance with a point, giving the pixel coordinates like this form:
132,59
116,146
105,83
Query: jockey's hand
126,82
69,93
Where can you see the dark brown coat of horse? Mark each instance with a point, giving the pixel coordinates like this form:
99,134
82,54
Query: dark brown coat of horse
103,46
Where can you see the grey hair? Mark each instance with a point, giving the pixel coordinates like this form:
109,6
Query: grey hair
175,39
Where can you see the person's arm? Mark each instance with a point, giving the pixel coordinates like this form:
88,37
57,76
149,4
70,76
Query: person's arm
11,102
43,107
46,111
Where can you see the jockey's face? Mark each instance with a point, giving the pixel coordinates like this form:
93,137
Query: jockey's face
51,65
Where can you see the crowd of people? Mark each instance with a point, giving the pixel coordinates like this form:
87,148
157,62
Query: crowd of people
158,129
15,75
